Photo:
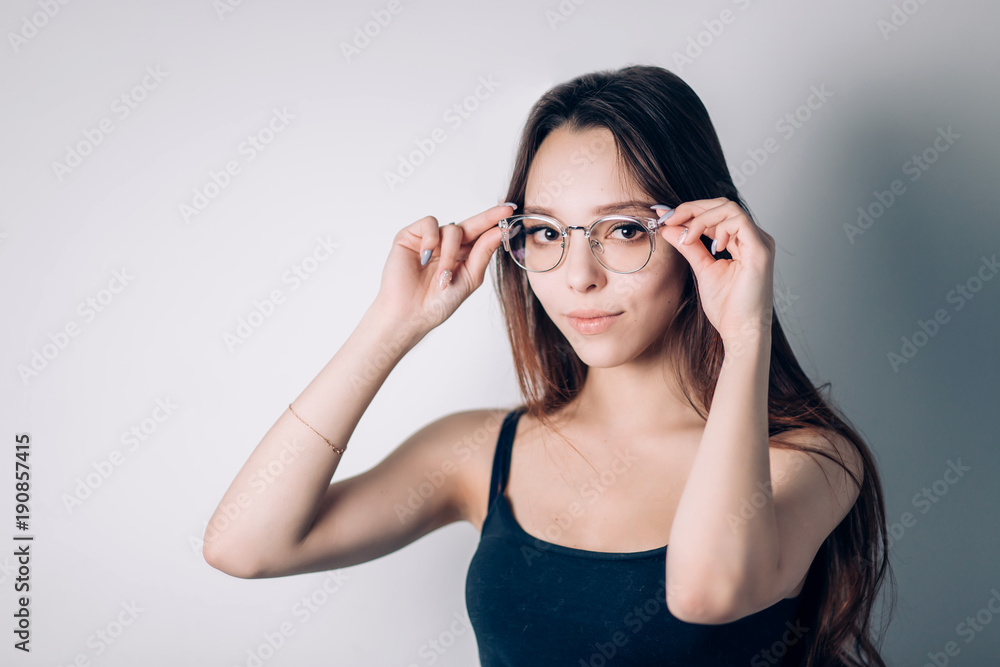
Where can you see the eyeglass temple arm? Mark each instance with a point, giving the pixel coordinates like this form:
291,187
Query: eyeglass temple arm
653,224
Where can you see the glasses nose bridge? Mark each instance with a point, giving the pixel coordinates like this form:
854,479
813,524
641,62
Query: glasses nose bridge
584,228
595,247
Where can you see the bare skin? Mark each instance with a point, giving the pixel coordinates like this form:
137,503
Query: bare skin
297,521
557,497
300,522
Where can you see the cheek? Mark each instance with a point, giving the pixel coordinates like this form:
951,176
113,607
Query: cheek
541,290
651,297
540,295
670,273
639,289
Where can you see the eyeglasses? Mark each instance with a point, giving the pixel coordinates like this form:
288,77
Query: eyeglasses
621,243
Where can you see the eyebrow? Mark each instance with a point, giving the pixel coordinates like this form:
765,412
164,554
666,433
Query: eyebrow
607,209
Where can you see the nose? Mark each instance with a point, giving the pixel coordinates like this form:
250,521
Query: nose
582,268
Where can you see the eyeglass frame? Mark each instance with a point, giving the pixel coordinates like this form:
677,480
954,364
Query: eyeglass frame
649,225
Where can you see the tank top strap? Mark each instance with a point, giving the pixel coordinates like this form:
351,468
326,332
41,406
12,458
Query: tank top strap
501,458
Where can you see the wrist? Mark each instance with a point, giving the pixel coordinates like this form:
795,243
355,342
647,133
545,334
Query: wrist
754,330
391,333
749,339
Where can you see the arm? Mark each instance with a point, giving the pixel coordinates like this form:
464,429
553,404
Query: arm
278,491
295,521
727,564
281,515
750,520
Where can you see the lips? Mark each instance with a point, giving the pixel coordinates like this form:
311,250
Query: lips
592,321
590,313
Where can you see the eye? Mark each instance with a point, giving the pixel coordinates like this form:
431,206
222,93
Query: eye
542,234
627,231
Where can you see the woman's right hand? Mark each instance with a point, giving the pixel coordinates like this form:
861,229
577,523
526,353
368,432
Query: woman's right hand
414,295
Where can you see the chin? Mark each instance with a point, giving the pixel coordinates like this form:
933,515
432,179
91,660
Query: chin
604,352
598,360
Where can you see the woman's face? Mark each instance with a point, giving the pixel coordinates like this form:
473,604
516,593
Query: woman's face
573,175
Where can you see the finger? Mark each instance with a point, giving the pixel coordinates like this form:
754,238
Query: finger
731,234
426,231
703,223
488,219
689,210
454,246
726,237
721,240
481,253
679,219
673,229
696,254
743,237
451,240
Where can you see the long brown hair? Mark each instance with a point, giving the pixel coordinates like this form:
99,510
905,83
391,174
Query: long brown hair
666,143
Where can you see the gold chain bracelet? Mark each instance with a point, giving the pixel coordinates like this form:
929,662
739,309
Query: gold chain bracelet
339,450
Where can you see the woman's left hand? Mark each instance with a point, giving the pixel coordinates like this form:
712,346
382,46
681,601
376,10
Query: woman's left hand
737,294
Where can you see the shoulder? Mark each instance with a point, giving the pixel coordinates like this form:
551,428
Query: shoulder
827,452
464,445
815,481
470,429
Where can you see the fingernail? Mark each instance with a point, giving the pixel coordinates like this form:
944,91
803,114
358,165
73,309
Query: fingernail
715,244
425,257
508,203
661,206
683,234
665,216
445,278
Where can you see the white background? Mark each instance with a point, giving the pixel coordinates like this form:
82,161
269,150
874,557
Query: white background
847,303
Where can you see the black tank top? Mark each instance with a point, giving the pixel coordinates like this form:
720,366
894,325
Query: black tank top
533,602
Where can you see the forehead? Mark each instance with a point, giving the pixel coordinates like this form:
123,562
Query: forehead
577,171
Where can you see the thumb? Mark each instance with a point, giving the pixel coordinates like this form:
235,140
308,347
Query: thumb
694,251
482,251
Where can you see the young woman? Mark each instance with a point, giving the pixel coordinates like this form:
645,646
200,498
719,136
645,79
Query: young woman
672,489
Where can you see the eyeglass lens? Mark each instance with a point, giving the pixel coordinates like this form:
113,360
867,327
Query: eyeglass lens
619,244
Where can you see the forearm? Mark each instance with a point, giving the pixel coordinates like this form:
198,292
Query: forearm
724,534
274,498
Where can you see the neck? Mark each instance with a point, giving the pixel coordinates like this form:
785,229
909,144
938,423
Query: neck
640,398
